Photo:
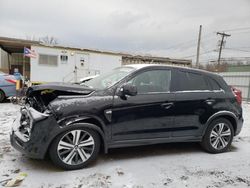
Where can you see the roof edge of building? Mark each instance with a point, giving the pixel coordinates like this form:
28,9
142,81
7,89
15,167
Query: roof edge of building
124,55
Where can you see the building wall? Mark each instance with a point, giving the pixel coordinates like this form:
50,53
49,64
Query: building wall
4,61
87,64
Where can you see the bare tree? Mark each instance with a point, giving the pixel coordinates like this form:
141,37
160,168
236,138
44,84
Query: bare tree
33,37
49,40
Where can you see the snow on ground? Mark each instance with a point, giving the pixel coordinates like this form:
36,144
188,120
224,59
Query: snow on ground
164,165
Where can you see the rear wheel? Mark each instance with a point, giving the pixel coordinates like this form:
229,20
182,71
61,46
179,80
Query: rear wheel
2,96
75,148
219,136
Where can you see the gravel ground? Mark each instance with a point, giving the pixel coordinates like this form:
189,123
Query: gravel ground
164,165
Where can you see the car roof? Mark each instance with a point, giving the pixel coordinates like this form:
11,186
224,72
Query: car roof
140,66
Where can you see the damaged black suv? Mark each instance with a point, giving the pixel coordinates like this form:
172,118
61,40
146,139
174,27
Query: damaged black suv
129,106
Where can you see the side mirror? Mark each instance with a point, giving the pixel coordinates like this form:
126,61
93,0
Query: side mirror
128,89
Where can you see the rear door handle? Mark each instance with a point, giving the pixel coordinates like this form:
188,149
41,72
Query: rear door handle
210,101
167,105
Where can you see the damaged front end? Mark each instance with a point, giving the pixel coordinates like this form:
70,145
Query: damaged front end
31,132
36,124
39,97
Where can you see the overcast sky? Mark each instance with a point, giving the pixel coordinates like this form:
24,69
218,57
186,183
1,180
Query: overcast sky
158,27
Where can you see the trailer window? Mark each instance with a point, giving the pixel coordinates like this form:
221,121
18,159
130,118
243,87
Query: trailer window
50,60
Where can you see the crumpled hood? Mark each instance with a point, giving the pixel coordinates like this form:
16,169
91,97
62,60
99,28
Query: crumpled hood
40,96
64,87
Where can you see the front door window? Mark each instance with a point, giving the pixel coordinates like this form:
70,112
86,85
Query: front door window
152,81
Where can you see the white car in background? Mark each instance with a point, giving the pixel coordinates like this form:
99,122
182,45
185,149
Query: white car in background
85,79
7,86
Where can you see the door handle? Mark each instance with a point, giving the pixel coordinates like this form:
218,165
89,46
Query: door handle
167,105
210,101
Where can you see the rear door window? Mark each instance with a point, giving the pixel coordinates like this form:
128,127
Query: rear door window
188,81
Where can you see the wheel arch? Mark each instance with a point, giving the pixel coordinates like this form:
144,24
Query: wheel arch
89,121
4,94
230,116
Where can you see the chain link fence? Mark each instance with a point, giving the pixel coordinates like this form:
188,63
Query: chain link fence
240,80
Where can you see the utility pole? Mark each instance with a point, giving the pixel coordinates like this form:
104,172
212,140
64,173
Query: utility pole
198,48
221,44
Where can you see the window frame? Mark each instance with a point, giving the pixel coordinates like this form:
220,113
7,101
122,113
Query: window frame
51,65
176,79
64,61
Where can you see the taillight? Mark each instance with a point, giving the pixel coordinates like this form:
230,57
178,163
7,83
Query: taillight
238,94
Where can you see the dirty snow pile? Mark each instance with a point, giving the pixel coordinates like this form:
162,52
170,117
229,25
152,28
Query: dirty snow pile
164,165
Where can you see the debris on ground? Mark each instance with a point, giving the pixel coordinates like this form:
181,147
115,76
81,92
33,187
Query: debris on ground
95,180
14,182
167,181
119,171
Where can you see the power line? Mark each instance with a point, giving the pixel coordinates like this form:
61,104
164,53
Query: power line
193,42
244,32
239,47
200,54
237,29
232,59
235,49
180,44
204,49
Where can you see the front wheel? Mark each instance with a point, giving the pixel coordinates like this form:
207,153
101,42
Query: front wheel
218,136
75,148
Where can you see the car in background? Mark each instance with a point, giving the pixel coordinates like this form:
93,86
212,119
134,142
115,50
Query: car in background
7,86
88,78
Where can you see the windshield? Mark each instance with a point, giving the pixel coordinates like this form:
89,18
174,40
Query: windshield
108,79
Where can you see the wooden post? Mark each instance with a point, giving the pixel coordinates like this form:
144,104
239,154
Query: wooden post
24,66
198,48
221,44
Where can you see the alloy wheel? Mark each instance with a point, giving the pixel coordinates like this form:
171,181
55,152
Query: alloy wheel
220,136
75,147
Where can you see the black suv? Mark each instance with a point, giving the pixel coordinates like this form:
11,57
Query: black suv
130,106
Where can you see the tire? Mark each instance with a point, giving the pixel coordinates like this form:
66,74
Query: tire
75,154
2,96
222,140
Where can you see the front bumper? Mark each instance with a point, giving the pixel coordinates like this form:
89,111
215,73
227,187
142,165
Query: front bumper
36,143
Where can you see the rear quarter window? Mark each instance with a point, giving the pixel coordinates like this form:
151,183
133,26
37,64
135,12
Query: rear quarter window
213,84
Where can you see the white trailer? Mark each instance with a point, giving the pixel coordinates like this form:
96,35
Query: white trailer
58,64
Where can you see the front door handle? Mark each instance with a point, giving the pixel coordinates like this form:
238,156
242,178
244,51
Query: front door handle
167,105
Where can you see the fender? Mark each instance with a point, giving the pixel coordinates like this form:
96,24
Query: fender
218,114
79,120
